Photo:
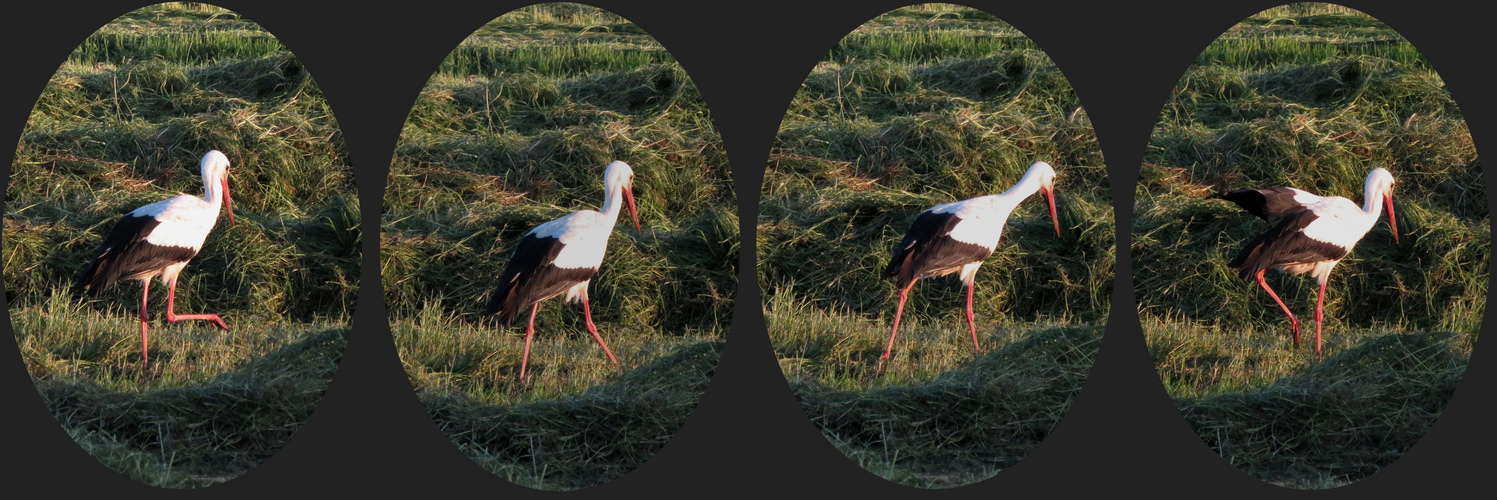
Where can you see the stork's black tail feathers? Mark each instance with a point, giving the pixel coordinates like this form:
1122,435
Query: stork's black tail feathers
93,280
899,269
105,267
503,303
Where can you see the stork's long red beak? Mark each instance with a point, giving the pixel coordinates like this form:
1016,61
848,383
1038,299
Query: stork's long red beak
228,205
633,214
1392,221
1050,196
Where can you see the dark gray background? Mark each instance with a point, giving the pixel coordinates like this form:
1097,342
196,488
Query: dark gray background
748,436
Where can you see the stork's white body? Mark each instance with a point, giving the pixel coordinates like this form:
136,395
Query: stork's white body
1309,234
958,237
182,221
583,238
561,256
159,240
979,222
1338,222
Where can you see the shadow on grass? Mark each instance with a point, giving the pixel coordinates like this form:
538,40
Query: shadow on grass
965,424
584,440
206,433
1347,416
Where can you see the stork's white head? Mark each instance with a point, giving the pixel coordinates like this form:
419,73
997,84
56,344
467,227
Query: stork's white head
1380,180
619,174
1045,176
215,168
1380,183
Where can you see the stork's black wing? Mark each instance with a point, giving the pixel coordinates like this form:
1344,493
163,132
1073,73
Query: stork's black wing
928,246
1269,204
531,276
1284,244
125,253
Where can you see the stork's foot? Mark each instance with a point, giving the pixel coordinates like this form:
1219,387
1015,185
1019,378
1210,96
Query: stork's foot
1294,327
217,321
211,318
613,360
523,379
520,386
148,369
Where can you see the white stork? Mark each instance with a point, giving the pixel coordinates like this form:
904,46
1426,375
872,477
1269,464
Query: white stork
958,236
1310,233
561,256
158,240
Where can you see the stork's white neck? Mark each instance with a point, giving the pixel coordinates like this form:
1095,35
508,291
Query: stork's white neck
1007,200
1372,198
613,199
1028,185
213,188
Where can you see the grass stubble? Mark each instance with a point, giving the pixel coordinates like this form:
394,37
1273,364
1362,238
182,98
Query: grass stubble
123,123
1312,96
921,106
514,129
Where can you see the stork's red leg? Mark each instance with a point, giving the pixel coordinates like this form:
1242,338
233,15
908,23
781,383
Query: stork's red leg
1319,313
904,293
588,313
145,291
1292,320
971,318
171,296
529,333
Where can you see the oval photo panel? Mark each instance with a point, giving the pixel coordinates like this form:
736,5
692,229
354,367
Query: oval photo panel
181,339
1311,245
560,246
914,144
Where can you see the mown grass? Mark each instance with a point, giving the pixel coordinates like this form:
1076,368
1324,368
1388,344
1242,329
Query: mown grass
212,405
1312,96
123,123
963,425
921,106
586,437
515,129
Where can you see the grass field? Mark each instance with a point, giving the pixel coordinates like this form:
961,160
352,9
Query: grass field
514,129
1312,96
921,106
123,123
